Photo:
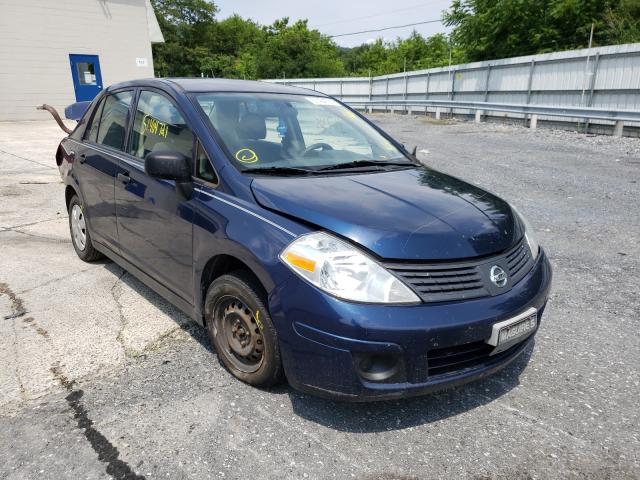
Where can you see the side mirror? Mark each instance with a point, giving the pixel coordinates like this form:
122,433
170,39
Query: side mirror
168,165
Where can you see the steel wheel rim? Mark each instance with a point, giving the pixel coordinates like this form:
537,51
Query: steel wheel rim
78,227
238,334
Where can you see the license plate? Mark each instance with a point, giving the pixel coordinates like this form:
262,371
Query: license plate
513,330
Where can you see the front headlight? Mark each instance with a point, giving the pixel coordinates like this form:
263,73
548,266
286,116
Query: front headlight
529,235
340,269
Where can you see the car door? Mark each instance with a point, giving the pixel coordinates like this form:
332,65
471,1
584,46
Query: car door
96,164
154,218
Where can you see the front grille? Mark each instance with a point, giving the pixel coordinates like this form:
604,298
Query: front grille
517,260
461,357
441,282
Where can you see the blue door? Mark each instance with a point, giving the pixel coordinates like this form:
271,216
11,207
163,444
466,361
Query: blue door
87,79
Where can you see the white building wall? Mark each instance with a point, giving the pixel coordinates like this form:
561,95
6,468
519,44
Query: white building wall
37,36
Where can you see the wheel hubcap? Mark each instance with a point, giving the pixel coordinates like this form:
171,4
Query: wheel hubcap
237,331
78,227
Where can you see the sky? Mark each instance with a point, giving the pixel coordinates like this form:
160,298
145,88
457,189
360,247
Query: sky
334,17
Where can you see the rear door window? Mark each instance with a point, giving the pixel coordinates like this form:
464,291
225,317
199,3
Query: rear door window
92,129
113,121
159,126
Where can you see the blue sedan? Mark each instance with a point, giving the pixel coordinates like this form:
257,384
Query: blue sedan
309,243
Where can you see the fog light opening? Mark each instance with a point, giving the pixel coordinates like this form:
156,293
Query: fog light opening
376,367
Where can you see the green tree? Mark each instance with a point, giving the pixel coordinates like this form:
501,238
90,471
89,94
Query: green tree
234,43
487,29
295,51
379,58
179,12
197,44
369,58
187,28
623,23
420,53
235,35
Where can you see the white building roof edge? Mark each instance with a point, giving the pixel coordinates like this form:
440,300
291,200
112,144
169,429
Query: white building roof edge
155,34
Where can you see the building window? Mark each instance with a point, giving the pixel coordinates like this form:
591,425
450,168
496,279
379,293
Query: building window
86,73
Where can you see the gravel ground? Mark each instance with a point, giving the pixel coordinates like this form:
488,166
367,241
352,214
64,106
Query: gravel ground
101,378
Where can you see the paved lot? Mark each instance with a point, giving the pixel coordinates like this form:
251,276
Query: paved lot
101,378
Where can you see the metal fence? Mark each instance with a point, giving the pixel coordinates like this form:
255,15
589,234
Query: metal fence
604,78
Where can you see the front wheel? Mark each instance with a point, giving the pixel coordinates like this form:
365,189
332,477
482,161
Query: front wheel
80,237
241,331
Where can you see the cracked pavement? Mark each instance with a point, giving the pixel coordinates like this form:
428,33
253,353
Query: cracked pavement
101,378
59,295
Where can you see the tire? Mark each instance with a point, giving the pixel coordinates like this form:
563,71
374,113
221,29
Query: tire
241,331
79,230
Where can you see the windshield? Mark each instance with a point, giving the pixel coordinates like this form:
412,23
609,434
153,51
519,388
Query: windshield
280,132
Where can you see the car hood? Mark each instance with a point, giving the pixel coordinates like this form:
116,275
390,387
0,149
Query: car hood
410,214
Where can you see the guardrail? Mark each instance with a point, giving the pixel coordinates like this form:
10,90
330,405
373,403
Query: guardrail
604,78
534,111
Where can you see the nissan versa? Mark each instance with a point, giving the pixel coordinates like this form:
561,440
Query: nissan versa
310,244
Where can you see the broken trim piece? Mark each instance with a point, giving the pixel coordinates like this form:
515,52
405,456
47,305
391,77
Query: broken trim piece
55,115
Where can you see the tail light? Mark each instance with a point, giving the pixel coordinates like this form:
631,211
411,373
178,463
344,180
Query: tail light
59,155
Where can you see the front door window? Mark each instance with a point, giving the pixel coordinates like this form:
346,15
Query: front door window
159,126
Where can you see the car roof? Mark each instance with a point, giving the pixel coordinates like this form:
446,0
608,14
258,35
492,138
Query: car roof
217,85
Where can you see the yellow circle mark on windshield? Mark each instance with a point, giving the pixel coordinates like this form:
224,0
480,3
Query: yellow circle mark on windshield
246,155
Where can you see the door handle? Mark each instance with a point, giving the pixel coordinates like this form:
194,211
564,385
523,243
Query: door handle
124,177
83,158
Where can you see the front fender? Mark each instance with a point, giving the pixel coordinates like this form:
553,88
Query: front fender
226,225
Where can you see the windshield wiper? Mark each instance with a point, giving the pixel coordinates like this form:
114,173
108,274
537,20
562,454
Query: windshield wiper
279,171
368,163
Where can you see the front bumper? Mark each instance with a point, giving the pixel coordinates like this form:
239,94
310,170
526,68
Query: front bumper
322,339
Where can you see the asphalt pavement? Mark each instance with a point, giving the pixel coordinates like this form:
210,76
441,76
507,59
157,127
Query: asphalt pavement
101,378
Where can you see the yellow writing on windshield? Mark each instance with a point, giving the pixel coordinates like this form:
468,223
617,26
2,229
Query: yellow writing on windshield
154,127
